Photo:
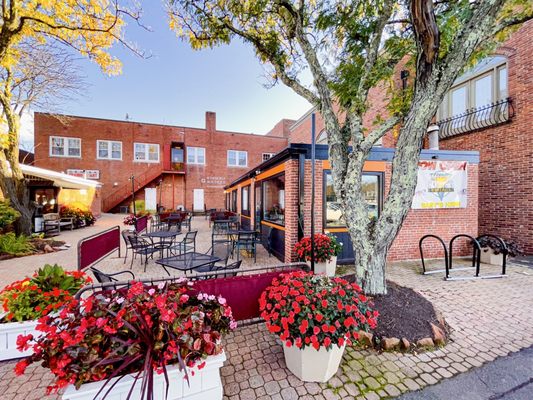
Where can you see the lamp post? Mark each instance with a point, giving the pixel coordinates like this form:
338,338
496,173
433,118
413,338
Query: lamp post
132,178
313,128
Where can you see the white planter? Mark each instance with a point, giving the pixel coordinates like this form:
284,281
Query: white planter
204,385
488,257
310,365
8,338
327,268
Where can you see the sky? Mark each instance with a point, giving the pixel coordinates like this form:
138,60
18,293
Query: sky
177,85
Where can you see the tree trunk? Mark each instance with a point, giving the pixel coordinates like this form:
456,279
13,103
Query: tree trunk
370,266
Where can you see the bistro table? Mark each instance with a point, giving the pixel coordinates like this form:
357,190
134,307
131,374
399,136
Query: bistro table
187,261
161,235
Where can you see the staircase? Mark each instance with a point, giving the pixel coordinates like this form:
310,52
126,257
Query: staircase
123,192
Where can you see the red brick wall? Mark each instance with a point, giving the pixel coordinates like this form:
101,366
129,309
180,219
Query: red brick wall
291,209
211,177
506,152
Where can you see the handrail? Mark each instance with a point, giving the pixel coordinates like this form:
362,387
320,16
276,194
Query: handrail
473,119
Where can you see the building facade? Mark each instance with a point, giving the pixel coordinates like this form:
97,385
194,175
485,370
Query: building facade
172,166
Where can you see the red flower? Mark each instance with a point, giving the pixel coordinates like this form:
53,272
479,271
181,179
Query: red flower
21,366
316,330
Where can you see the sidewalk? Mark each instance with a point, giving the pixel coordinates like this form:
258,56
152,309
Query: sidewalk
507,378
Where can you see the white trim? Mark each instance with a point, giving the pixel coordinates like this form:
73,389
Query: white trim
65,146
237,159
109,150
146,152
195,162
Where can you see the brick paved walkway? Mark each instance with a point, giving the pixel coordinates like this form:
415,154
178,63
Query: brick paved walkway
488,318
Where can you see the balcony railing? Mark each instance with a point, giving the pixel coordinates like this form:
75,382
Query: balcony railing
477,118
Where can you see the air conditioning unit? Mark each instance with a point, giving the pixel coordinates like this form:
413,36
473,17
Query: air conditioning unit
124,209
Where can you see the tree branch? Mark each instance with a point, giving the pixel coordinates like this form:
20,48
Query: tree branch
379,132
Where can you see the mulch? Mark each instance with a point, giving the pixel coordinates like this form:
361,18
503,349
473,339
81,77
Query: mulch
404,313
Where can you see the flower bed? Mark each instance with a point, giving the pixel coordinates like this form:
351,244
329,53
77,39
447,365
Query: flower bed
141,331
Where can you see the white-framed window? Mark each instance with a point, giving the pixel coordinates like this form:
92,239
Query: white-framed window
65,147
108,150
484,84
146,152
196,155
237,158
267,156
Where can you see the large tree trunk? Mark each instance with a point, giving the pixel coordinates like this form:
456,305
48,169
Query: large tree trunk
370,266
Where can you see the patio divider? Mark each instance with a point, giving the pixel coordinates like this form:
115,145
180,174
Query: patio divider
98,246
141,224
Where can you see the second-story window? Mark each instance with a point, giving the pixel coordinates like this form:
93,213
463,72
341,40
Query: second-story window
65,147
108,150
196,155
268,156
146,152
237,158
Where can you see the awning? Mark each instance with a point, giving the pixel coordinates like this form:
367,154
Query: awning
59,179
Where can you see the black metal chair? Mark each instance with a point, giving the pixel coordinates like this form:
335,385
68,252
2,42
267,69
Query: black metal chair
187,244
103,277
235,222
229,270
187,221
156,224
247,241
125,235
222,250
143,247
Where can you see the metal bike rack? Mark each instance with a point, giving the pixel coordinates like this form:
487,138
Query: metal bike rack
424,272
476,256
505,253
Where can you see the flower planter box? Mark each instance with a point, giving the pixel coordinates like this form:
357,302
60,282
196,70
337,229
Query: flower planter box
310,365
328,268
204,385
8,338
488,256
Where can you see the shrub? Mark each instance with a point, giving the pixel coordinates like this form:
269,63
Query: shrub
130,220
8,215
140,329
48,289
15,245
81,217
139,206
313,310
513,249
326,247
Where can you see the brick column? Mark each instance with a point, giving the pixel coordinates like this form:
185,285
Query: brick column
319,175
291,208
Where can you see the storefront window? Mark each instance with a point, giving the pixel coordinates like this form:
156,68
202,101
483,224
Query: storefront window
257,198
234,201
334,213
245,200
45,198
274,200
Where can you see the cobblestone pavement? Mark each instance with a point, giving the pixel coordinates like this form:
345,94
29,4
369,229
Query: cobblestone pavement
488,318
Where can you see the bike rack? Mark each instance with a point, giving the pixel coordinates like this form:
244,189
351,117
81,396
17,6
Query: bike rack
422,255
476,258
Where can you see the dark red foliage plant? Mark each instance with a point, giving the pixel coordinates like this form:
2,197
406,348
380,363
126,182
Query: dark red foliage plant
138,330
313,310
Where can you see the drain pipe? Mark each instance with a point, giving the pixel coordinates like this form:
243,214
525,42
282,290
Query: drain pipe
433,136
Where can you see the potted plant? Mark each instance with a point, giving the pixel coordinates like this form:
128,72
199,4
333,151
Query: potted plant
25,301
167,336
315,317
325,252
130,220
492,250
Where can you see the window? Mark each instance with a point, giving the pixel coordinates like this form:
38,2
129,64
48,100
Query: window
274,200
245,200
257,198
196,155
146,152
268,156
334,214
227,201
237,158
234,201
483,85
65,147
322,138
108,150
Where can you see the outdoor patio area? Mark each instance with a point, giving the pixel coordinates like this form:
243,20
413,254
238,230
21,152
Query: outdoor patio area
488,318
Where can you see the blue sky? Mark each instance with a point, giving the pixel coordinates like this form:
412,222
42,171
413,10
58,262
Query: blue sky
177,85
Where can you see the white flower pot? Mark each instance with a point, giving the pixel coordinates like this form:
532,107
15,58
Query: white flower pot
204,385
327,268
310,365
8,338
488,256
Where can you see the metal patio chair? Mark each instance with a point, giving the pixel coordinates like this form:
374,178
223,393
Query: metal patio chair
187,244
103,277
143,247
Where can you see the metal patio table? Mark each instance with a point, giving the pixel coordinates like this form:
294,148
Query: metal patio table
161,235
187,261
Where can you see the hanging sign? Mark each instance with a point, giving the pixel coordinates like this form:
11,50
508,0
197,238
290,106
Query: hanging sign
92,174
441,184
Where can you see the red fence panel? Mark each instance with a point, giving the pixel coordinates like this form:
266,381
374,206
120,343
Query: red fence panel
141,224
96,247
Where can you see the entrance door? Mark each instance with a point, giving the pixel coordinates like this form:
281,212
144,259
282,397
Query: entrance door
198,199
150,199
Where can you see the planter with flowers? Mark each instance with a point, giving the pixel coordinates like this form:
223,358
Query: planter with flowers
326,250
25,301
138,342
315,317
129,221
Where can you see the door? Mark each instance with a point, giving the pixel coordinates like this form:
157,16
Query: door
198,199
150,199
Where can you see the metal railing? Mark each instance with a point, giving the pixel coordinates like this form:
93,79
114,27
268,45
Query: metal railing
474,119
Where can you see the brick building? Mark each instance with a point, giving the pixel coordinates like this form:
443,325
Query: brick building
172,166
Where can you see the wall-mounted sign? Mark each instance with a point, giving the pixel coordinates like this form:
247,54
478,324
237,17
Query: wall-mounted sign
441,184
214,181
85,173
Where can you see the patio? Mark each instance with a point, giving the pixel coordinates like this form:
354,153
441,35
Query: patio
488,319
